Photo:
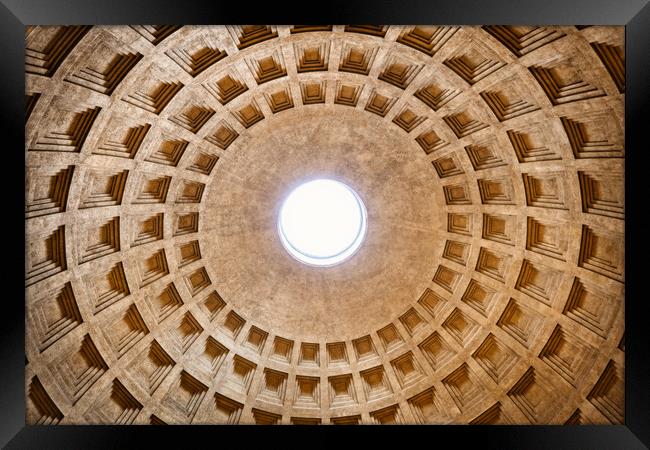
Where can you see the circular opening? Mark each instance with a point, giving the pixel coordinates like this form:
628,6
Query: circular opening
322,222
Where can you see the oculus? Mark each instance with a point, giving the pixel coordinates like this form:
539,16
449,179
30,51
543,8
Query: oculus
322,222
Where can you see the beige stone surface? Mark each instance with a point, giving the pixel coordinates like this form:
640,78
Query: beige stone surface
490,285
396,261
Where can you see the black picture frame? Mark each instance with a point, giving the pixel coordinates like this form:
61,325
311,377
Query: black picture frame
634,14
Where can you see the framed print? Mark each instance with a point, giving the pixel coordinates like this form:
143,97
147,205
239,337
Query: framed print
427,226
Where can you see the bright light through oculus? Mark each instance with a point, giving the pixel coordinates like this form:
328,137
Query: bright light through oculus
322,222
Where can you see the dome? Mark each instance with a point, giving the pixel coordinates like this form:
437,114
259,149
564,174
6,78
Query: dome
481,278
